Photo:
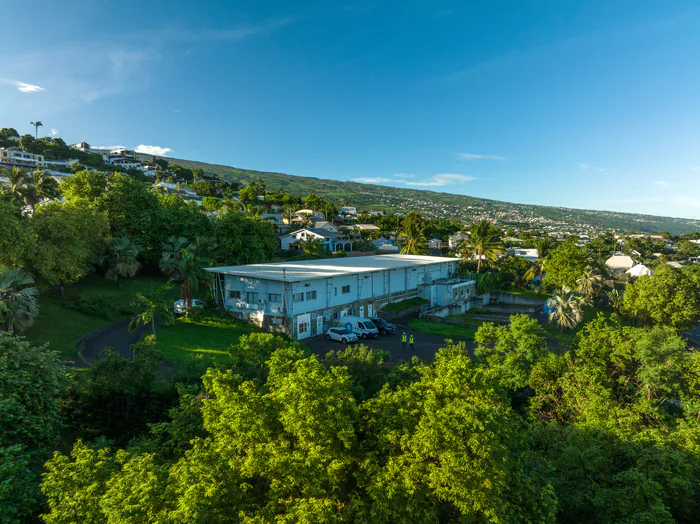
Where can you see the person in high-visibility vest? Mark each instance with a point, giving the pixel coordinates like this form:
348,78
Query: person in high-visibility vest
403,341
410,343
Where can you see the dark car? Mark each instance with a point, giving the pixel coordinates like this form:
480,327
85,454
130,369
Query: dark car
383,326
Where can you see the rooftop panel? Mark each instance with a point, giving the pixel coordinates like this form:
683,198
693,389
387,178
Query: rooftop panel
328,267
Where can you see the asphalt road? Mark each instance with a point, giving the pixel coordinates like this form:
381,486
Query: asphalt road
116,336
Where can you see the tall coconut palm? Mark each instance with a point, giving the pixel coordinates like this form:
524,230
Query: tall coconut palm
18,304
567,309
484,242
36,125
152,307
413,233
121,258
589,283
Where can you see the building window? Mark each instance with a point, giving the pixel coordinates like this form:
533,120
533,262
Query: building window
234,294
311,295
303,327
345,290
252,297
274,297
298,297
336,291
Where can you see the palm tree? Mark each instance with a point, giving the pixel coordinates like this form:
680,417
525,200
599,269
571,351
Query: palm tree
18,182
181,263
568,308
36,125
484,242
18,304
537,269
121,258
288,213
589,283
616,299
413,231
39,187
152,307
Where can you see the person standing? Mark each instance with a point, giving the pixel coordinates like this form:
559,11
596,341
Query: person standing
411,340
403,341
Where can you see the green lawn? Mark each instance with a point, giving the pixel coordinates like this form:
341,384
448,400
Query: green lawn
62,325
207,339
443,330
396,307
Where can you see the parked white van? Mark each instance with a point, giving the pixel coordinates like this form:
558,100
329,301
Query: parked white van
361,326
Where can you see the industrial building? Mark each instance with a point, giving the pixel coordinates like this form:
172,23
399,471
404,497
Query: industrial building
303,299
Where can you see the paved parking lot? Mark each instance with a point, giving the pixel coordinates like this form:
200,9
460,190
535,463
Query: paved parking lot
426,345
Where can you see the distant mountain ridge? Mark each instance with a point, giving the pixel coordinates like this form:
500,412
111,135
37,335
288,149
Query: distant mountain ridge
448,205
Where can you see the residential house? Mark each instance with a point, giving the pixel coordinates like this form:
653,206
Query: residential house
348,210
529,254
369,228
276,219
334,241
385,246
303,299
454,240
434,243
14,156
639,270
619,263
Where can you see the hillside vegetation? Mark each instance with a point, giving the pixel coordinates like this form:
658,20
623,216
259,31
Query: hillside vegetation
449,205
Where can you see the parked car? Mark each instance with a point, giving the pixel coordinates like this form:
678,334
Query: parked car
179,306
361,326
383,326
341,335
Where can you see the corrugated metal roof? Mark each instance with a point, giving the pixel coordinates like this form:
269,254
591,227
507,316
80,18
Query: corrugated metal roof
328,267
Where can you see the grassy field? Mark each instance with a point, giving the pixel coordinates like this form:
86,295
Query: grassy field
443,330
207,339
404,304
62,321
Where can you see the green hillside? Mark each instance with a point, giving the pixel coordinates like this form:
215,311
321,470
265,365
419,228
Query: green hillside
461,207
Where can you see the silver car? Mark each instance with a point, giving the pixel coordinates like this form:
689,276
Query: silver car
341,335
180,307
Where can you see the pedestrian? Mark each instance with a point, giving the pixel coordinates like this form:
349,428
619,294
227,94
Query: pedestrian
410,343
403,341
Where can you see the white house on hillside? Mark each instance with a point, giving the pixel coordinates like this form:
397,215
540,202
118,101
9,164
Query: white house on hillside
14,156
334,241
303,299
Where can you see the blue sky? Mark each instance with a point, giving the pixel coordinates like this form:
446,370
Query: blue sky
593,104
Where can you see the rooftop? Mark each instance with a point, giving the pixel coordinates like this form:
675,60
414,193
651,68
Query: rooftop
328,267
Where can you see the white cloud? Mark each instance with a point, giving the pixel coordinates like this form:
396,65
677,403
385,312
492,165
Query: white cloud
661,183
371,179
22,86
585,167
403,175
442,180
54,131
474,156
153,150
109,147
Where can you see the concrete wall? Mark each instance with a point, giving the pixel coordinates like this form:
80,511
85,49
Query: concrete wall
501,297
